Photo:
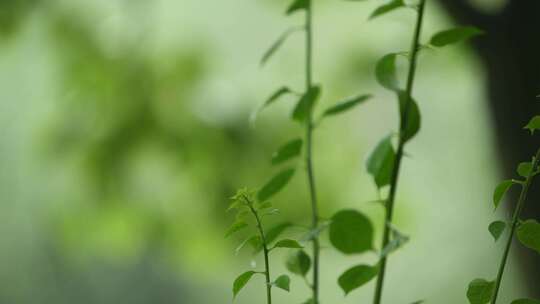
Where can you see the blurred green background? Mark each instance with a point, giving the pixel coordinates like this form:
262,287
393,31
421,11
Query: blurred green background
125,129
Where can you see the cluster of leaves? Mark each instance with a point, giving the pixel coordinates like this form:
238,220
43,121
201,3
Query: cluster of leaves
350,231
482,291
246,204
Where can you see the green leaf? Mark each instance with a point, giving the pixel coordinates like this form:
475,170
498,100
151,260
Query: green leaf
413,116
235,227
356,277
455,35
298,262
283,282
298,5
500,191
528,234
386,8
288,243
289,150
525,301
276,184
278,43
534,124
419,302
397,241
255,241
309,301
381,162
276,95
305,104
480,291
496,229
524,169
386,73
346,104
273,233
241,281
351,232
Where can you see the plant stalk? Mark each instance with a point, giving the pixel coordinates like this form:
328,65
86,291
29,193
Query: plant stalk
515,222
265,253
309,153
401,144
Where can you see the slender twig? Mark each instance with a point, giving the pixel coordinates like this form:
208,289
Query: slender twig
515,220
401,144
265,250
309,153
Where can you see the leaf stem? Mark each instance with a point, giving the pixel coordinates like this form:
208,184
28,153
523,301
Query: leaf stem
309,153
265,250
401,144
515,221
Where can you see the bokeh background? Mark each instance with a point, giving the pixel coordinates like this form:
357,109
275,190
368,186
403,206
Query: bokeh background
125,129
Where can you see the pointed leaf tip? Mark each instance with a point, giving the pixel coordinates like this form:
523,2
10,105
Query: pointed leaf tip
241,281
381,162
275,185
496,229
454,35
534,124
356,277
283,282
500,191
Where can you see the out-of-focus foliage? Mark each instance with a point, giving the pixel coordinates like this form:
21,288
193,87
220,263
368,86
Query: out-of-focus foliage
125,129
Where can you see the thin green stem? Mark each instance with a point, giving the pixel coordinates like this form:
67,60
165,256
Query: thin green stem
399,154
265,251
515,220
309,152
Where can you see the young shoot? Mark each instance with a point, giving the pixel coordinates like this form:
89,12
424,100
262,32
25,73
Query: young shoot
482,291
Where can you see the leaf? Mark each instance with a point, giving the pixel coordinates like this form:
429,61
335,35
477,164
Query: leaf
278,43
386,74
500,191
283,282
386,8
346,104
297,5
413,116
381,162
524,169
534,124
309,301
275,232
276,184
305,104
525,301
255,241
276,95
273,98
356,277
496,229
480,291
397,241
298,263
455,35
528,234
235,227
351,232
418,302
288,243
241,281
289,150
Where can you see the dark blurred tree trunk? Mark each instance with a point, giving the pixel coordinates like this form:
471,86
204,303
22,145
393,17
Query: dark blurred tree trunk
511,54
